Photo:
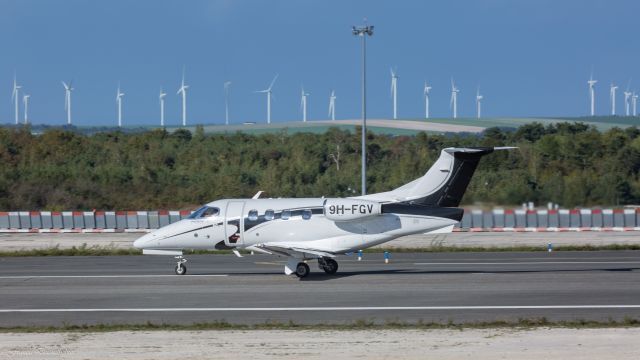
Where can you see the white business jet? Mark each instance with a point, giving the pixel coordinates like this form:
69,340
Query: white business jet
322,228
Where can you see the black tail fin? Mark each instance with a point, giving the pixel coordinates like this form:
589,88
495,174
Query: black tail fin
449,194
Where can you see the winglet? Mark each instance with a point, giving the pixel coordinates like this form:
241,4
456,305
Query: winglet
257,195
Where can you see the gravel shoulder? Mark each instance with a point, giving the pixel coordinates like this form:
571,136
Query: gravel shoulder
479,344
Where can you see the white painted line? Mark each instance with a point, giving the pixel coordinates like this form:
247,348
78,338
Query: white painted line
104,276
336,308
531,263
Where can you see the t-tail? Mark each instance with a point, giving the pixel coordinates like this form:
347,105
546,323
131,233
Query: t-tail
445,182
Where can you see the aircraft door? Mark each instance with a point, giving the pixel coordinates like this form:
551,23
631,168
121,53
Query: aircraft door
233,223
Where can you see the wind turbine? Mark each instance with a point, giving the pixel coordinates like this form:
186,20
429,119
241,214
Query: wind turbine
478,104
269,94
25,101
426,91
394,92
227,93
454,99
304,96
161,98
627,97
612,97
592,94
183,91
119,95
332,105
15,95
634,99
67,99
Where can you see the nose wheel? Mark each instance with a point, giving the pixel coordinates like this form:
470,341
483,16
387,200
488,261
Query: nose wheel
181,269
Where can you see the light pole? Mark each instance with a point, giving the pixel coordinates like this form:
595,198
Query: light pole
363,32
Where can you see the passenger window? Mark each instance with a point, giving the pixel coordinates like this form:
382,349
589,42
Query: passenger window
253,215
286,214
269,215
306,214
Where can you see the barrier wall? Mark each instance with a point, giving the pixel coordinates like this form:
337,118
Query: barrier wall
473,220
87,221
551,220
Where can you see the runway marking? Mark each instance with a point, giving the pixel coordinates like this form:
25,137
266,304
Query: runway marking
531,263
104,276
337,308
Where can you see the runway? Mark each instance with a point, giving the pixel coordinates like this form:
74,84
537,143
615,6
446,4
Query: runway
427,287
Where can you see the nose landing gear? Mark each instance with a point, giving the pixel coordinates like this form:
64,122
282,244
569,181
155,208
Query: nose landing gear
181,269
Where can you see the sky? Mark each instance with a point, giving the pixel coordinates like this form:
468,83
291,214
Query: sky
528,57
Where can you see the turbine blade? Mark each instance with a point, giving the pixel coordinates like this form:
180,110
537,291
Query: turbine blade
273,81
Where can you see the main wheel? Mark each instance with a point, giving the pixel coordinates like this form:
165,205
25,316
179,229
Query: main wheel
181,269
302,270
330,267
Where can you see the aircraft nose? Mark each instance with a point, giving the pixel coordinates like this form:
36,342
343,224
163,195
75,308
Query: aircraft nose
142,241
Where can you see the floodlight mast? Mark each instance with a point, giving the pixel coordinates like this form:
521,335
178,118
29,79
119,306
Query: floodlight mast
363,32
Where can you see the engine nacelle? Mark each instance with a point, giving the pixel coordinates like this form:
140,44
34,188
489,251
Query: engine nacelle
350,209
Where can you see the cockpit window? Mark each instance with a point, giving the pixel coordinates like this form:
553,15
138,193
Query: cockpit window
204,212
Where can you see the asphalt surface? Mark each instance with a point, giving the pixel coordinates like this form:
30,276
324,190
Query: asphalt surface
441,287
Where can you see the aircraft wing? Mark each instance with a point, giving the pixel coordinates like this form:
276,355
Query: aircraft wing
289,249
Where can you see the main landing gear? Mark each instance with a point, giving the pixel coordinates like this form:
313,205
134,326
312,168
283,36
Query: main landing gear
301,269
181,269
329,265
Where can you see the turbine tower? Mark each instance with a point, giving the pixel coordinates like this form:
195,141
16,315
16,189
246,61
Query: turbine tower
227,93
612,97
592,94
15,96
332,105
25,101
634,99
454,99
627,97
183,90
269,94
67,99
478,103
161,98
394,92
426,91
304,97
119,95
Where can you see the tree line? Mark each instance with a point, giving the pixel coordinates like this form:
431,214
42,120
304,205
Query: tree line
571,164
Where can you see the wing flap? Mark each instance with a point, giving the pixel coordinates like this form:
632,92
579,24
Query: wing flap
292,249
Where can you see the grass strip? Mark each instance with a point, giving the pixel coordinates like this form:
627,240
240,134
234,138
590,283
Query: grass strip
363,324
97,250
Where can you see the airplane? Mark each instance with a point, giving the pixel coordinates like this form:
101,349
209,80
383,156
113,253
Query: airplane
303,229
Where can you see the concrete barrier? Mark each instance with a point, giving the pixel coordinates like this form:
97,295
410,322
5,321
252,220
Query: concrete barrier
473,219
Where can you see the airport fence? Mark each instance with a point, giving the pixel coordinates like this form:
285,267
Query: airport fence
627,219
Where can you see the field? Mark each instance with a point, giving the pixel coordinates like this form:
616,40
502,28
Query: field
413,126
